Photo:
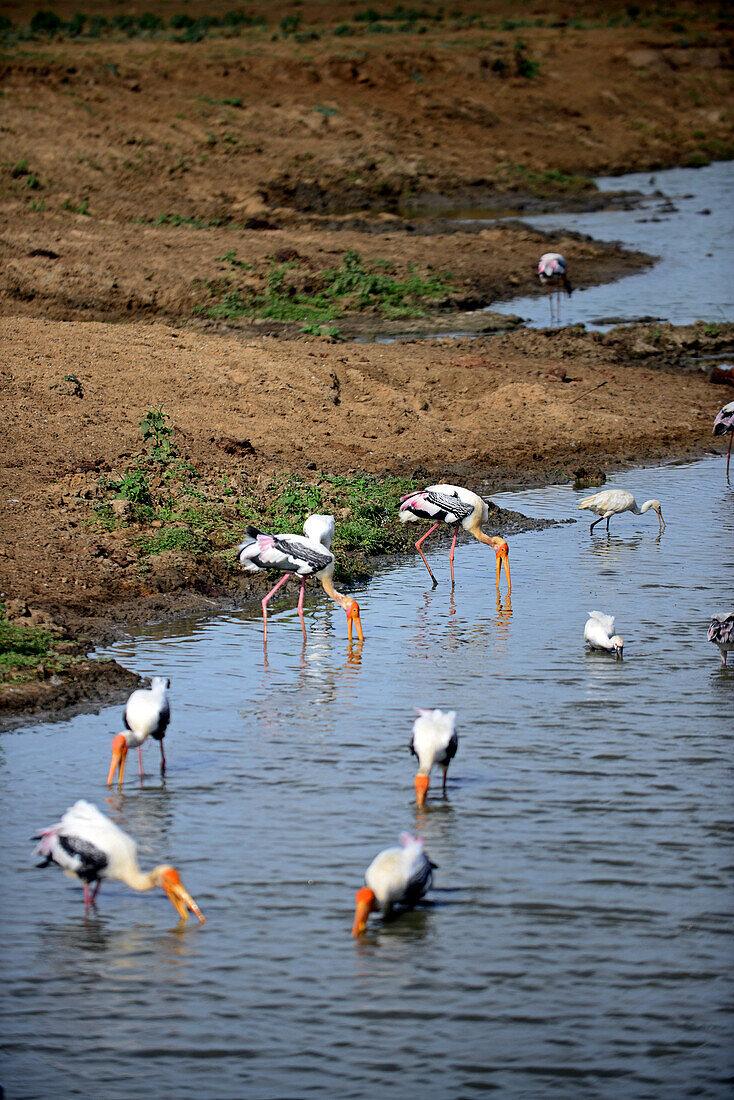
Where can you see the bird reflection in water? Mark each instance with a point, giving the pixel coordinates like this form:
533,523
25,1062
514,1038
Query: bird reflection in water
503,623
149,817
396,934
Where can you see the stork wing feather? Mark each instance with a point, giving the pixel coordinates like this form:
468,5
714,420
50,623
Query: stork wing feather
606,621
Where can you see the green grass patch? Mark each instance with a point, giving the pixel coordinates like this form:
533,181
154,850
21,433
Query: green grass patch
290,294
22,646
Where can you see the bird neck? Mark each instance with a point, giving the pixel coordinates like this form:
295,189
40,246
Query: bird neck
328,586
140,880
488,540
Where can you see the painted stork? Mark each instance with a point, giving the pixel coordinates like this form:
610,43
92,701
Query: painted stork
552,273
599,633
454,506
87,845
147,714
397,876
724,425
611,502
307,555
721,633
434,741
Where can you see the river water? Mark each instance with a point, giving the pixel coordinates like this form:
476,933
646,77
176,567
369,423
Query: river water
580,939
685,220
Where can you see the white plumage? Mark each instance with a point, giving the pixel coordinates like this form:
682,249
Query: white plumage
552,273
457,507
599,633
434,742
396,876
147,714
611,502
87,845
724,425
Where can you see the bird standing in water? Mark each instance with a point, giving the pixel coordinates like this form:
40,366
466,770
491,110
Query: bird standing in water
612,502
147,714
434,741
87,845
724,425
599,633
721,633
552,273
306,555
456,507
397,876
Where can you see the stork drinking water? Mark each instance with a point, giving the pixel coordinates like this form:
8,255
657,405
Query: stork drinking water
456,507
87,845
599,633
147,714
306,555
612,502
397,876
434,741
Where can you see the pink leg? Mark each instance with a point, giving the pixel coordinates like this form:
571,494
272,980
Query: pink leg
421,540
728,453
264,603
451,555
95,891
87,898
300,606
140,760
163,759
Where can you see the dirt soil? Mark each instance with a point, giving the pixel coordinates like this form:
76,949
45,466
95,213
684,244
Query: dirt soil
132,168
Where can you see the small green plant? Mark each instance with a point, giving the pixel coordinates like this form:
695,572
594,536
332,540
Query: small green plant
37,205
82,208
157,432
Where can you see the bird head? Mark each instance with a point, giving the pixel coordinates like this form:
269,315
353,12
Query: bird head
617,644
119,755
421,789
366,902
352,610
502,551
169,881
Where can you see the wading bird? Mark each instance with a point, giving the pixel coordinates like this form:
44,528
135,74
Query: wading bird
307,555
434,741
87,845
613,501
721,633
552,273
397,876
599,633
454,506
724,425
147,714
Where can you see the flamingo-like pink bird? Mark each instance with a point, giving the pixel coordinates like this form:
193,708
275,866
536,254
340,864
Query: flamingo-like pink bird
552,273
724,425
306,555
456,507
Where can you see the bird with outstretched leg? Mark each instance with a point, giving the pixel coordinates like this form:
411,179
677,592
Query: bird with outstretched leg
724,425
87,845
552,274
599,633
721,633
612,502
306,555
396,877
434,741
456,507
147,714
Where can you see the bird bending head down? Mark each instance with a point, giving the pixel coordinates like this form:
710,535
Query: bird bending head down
366,904
353,619
169,881
119,757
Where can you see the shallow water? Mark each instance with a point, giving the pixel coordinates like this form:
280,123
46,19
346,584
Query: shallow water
685,220
579,942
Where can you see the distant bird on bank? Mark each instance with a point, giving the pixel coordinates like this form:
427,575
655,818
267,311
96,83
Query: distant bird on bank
147,714
434,741
454,506
612,502
552,273
397,876
724,425
306,555
599,633
87,845
721,633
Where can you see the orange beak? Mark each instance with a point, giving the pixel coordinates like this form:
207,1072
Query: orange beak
119,756
421,789
353,617
366,902
179,896
503,557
